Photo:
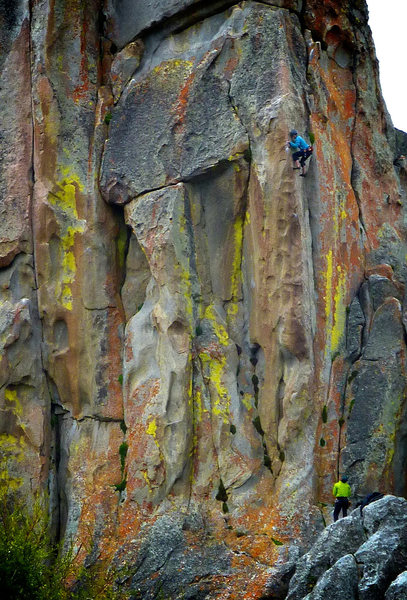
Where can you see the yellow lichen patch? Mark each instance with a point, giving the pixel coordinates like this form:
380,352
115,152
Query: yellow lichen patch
51,125
221,401
169,66
11,451
60,62
11,446
198,407
218,328
328,284
339,316
64,200
11,397
190,384
182,223
247,401
185,279
234,158
232,307
147,480
340,210
121,242
335,307
152,429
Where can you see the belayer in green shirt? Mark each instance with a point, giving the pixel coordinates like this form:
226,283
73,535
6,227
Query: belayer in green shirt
342,492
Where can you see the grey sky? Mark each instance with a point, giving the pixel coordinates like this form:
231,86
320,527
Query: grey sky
388,22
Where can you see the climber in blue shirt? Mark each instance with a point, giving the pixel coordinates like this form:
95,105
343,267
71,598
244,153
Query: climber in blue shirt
302,151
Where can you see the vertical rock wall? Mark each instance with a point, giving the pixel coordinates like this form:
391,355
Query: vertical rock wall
195,341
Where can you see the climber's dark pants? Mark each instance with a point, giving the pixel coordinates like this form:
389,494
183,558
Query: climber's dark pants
341,504
302,156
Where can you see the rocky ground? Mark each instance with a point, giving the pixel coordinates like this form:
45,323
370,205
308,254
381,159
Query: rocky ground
360,557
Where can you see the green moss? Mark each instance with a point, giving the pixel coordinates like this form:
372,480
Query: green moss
140,306
123,453
352,376
123,427
222,495
255,381
341,421
198,331
240,533
277,542
267,462
233,429
120,487
266,459
122,244
108,117
257,424
311,138
335,355
225,508
324,414
322,442
311,582
248,154
281,456
120,379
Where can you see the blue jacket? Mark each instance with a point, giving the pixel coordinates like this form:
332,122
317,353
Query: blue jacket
299,144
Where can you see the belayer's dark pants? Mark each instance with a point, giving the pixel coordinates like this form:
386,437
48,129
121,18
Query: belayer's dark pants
302,156
341,504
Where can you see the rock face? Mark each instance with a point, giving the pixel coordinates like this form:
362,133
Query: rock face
363,556
194,339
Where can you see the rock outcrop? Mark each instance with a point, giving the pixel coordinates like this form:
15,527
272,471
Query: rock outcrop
363,556
194,340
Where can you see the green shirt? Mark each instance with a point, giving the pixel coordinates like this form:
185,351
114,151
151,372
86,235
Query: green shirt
341,490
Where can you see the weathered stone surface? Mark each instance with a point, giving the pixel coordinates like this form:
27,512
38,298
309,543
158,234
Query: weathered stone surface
384,555
363,565
185,569
338,540
162,223
386,333
340,581
180,134
375,402
16,131
398,589
24,400
355,324
380,559
386,512
381,288
133,291
123,66
126,19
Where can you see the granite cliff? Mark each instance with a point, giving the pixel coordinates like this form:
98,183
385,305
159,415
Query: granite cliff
194,340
